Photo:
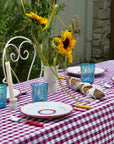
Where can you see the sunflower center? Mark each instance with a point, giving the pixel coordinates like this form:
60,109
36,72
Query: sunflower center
66,43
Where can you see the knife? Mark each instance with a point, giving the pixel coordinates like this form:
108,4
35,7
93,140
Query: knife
62,77
79,109
16,119
82,106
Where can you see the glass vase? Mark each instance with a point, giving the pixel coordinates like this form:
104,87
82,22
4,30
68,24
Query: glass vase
51,78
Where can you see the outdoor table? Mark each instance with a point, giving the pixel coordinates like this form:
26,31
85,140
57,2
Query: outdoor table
94,126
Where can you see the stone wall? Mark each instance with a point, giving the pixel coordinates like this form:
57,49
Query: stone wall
101,30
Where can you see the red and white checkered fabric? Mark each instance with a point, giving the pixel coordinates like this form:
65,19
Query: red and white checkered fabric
95,126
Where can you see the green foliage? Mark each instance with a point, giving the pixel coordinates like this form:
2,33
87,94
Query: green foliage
43,7
12,23
10,20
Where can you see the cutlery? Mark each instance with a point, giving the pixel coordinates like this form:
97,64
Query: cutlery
16,119
62,77
107,85
79,109
23,93
82,106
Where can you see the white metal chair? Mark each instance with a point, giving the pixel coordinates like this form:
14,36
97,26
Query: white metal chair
19,49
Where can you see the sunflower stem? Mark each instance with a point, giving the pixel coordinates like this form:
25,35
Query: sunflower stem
56,6
61,20
23,6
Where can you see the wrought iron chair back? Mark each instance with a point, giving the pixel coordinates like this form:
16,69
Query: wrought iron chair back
17,54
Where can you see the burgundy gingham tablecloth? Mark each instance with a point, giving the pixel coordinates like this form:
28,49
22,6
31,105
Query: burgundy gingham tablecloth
95,126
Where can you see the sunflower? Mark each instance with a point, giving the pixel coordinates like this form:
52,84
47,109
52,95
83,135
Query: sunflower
66,44
43,20
69,55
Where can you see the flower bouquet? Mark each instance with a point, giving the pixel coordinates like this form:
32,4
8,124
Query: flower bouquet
52,50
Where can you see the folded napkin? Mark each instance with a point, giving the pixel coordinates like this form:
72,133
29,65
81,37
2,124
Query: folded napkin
87,89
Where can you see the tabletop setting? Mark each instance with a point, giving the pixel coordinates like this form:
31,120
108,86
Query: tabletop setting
49,125
73,106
